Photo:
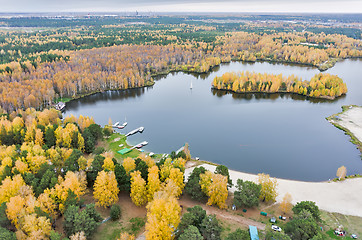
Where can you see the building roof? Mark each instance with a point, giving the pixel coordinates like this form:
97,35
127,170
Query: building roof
253,233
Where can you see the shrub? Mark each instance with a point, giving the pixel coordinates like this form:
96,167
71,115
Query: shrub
115,212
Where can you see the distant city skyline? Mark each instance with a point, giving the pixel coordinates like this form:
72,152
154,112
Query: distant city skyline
281,6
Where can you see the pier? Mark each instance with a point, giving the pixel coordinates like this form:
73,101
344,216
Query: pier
140,129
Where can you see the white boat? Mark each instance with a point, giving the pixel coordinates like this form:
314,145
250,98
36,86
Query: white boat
141,129
191,85
124,124
115,125
144,143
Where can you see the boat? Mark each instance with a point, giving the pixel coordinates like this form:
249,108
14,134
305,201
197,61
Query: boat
120,127
124,124
191,85
141,129
144,143
115,125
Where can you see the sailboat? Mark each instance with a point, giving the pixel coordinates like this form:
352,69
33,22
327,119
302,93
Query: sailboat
191,85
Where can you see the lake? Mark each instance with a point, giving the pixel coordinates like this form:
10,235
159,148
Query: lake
286,136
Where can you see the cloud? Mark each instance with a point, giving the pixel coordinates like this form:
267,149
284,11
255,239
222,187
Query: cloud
181,5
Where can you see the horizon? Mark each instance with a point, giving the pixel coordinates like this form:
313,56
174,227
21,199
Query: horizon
184,6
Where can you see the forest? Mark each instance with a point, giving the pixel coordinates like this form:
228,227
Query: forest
60,74
48,165
320,86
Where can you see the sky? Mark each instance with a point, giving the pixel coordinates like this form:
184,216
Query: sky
311,6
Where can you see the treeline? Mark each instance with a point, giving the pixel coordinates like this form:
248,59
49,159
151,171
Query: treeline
37,85
320,86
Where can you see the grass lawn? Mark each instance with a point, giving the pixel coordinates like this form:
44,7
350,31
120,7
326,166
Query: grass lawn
351,224
113,144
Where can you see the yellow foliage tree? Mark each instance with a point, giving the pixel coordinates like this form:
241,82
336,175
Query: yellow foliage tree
15,208
138,189
170,187
47,204
36,227
129,164
147,159
83,163
106,189
163,217
10,187
178,178
268,187
215,187
154,183
75,181
286,205
187,152
126,236
21,166
108,164
341,172
39,137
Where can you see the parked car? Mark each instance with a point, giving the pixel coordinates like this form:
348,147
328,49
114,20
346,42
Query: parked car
276,228
354,236
339,233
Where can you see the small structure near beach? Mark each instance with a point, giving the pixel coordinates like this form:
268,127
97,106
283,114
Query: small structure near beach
253,233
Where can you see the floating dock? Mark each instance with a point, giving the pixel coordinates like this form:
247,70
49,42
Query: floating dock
140,129
115,125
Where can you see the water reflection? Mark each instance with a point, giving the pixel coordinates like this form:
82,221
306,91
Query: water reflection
272,96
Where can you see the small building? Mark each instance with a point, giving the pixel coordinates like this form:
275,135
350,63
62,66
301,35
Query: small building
60,106
253,233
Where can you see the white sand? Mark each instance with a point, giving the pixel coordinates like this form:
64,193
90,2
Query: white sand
342,197
352,120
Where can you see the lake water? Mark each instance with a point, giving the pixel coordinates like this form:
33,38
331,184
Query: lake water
286,136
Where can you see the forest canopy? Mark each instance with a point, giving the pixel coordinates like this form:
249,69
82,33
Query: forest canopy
320,86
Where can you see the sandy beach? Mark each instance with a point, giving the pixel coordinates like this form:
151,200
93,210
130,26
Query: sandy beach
350,119
342,197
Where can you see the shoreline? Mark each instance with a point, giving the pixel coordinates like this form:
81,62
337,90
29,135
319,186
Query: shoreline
340,196
166,72
349,121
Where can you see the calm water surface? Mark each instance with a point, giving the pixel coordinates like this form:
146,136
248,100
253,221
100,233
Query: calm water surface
286,136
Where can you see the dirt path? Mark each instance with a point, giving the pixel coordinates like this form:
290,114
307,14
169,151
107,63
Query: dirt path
223,214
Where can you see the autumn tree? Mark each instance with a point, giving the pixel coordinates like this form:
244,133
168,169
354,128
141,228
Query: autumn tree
138,189
286,204
215,187
154,183
10,187
129,164
163,216
268,187
126,236
187,152
178,178
106,189
341,172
